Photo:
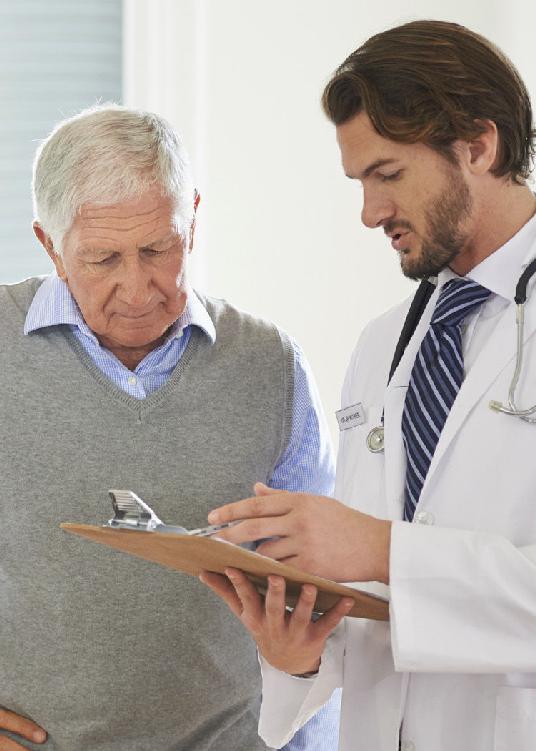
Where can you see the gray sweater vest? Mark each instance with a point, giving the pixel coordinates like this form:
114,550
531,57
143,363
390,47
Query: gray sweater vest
105,651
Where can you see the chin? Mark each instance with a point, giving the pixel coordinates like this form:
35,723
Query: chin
413,266
408,257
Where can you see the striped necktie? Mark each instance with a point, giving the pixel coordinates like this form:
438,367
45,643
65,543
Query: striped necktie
435,381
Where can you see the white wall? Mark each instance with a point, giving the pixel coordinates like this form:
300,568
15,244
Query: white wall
279,224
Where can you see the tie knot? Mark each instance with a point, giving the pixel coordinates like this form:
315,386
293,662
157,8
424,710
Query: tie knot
456,300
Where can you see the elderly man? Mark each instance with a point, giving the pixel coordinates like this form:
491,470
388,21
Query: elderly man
117,374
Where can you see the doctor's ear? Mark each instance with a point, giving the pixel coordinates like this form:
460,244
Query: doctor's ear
48,245
481,152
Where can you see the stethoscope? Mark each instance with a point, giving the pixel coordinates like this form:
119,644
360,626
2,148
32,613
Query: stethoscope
375,438
520,299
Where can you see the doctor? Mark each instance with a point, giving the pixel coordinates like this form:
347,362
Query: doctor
436,125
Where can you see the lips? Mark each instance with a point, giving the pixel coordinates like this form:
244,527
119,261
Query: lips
398,241
135,316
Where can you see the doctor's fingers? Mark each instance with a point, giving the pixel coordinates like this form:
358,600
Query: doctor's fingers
252,615
251,530
280,548
301,624
275,607
272,504
19,726
332,617
300,619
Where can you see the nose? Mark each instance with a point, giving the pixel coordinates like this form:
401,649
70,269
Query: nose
377,208
134,287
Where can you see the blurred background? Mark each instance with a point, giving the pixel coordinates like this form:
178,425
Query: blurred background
278,229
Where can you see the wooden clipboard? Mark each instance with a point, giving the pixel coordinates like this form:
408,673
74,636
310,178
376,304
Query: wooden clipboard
191,555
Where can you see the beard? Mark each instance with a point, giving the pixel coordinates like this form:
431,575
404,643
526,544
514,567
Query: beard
444,237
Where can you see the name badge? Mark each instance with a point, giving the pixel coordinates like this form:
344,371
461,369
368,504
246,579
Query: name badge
351,417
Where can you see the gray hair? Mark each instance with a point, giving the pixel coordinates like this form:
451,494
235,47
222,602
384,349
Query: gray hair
108,154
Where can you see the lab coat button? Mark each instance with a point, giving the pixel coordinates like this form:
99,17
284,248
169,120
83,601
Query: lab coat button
424,517
407,746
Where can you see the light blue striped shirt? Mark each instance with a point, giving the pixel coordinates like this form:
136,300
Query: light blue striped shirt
306,465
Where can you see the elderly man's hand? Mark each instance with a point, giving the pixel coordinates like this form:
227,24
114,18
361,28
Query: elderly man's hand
19,726
314,533
291,642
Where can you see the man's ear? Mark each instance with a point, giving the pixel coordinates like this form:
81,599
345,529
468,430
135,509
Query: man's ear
48,245
482,152
197,199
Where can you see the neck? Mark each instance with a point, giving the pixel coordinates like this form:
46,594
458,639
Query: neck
500,215
131,356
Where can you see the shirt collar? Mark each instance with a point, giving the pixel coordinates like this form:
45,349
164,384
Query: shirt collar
500,271
54,305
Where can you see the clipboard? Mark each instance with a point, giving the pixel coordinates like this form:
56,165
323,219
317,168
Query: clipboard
192,554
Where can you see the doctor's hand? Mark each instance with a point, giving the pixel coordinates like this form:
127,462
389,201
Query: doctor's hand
18,725
316,534
290,642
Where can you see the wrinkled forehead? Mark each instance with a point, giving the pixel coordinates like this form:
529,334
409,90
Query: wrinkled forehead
139,221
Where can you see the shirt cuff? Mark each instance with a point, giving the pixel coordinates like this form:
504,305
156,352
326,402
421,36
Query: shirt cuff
288,701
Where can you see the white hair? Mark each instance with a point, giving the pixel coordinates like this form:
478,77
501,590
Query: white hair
108,154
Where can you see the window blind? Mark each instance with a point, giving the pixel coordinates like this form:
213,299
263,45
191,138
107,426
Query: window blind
56,57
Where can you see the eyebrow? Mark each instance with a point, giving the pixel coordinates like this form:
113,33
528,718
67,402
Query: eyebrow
102,250
372,167
93,250
162,241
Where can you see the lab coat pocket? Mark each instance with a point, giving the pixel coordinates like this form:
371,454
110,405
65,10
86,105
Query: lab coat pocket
515,720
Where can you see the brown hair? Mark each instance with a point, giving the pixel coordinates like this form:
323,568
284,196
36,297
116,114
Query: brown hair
435,82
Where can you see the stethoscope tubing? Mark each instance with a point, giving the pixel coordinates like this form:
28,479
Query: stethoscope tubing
375,438
512,408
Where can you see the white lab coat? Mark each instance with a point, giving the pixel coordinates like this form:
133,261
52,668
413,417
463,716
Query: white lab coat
456,666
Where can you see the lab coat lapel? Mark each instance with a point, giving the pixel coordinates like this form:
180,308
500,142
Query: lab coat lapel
498,353
395,395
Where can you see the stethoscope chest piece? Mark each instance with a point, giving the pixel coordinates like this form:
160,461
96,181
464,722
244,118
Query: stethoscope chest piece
375,440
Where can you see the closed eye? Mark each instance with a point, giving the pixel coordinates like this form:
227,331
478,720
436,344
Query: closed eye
104,261
157,253
392,176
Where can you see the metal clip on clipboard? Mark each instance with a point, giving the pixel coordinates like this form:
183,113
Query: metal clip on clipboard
130,512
